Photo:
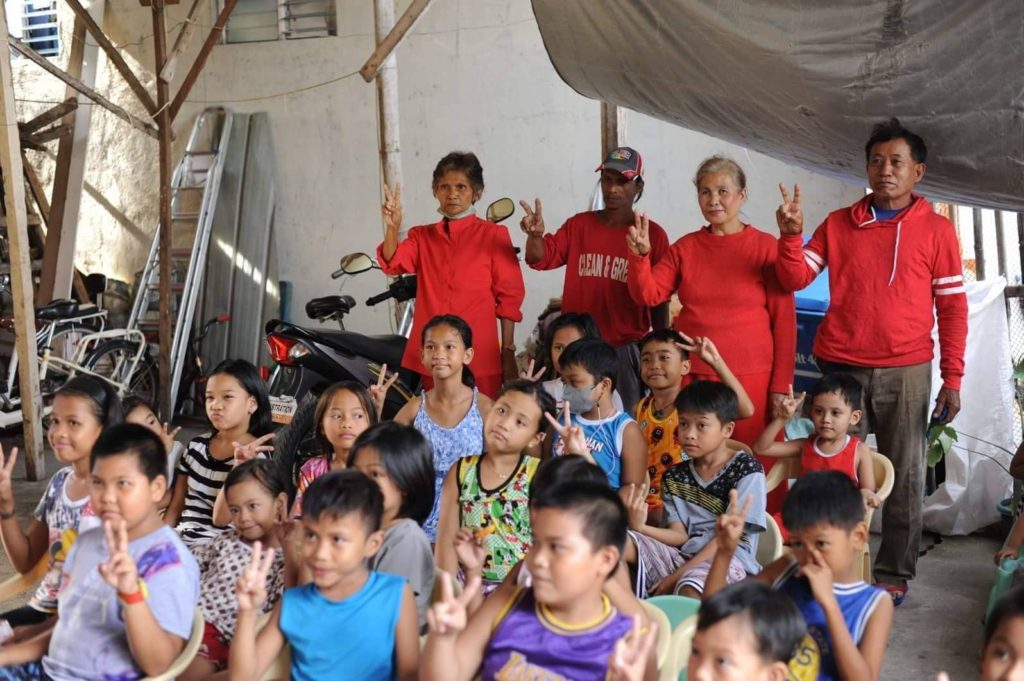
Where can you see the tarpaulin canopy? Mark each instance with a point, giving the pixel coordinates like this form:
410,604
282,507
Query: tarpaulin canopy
804,80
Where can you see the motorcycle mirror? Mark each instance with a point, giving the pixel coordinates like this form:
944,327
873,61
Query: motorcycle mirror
501,209
354,263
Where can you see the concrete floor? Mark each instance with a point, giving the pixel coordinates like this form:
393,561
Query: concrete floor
938,628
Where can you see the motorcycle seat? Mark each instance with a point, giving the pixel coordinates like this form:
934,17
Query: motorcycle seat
386,349
318,308
62,309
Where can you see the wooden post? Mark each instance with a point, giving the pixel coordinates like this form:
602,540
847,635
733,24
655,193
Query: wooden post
1001,259
613,128
51,115
163,122
387,97
200,62
979,246
387,45
21,271
181,42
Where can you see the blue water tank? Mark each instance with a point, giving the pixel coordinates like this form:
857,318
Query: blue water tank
811,305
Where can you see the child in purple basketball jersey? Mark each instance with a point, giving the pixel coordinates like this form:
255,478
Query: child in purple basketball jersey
563,626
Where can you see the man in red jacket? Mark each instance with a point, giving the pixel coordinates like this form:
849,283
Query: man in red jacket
592,247
893,263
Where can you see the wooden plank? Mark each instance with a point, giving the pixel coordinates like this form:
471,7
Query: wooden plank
163,121
397,33
50,134
204,52
51,115
613,128
188,29
30,54
979,246
37,190
21,271
113,55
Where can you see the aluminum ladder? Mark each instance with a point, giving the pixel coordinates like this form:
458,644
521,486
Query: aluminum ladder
194,187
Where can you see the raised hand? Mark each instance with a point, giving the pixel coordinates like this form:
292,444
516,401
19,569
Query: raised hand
819,576
729,526
449,615
120,570
529,375
790,215
379,390
168,436
791,404
250,451
251,589
532,223
7,480
470,551
636,506
392,208
632,652
702,347
639,238
572,435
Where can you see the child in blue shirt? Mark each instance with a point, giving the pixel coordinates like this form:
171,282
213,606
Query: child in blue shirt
129,589
349,620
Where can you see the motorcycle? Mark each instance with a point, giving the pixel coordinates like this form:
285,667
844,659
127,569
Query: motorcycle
310,359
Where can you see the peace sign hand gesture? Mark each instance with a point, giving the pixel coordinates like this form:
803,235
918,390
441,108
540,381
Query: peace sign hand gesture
168,436
791,403
251,590
533,222
790,216
392,208
633,652
7,480
379,390
250,451
529,375
704,348
449,615
639,238
120,570
729,526
572,435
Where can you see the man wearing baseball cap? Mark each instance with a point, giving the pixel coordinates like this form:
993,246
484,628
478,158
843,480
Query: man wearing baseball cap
592,247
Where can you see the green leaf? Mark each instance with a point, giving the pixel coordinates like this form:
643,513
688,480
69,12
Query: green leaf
940,441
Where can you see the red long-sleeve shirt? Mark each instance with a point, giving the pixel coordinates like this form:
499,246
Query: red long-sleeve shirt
886,277
730,294
469,269
596,259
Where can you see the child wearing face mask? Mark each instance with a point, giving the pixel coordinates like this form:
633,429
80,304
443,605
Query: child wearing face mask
589,369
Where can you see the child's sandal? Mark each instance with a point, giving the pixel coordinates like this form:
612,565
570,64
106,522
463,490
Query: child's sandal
897,593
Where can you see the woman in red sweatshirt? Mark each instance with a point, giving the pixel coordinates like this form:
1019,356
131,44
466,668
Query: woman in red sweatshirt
724,274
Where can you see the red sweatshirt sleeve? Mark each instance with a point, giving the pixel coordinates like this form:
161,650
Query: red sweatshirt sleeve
406,259
556,249
950,305
797,265
506,278
652,286
782,311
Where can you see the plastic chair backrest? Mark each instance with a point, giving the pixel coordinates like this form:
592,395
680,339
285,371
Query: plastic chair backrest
664,633
676,608
884,475
682,642
281,668
17,584
769,544
784,469
187,653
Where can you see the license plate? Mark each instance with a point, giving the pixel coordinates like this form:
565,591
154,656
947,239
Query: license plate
282,409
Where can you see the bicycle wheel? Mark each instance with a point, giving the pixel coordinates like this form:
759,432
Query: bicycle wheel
63,345
112,360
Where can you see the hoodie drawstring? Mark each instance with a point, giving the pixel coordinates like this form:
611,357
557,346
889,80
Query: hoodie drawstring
895,252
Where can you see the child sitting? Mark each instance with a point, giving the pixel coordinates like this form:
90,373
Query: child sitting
343,412
399,460
451,414
1002,655
834,410
664,360
137,410
563,626
257,502
564,330
488,493
349,620
676,559
848,620
130,589
589,370
745,631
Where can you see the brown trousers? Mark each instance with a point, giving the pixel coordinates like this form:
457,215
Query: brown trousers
896,404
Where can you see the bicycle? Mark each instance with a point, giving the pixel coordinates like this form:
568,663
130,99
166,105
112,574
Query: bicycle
193,378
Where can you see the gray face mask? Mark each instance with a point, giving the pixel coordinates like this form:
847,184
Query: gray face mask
579,400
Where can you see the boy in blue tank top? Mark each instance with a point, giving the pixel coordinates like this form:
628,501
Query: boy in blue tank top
589,368
563,626
848,621
349,620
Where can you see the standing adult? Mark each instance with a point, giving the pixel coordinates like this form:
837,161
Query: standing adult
724,275
592,246
466,267
893,263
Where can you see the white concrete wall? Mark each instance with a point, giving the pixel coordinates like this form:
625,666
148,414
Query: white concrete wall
473,75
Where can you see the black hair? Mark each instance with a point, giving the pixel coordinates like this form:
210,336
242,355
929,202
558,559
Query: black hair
601,510
844,385
131,438
249,378
596,356
263,471
131,402
535,390
775,621
464,162
365,400
106,405
339,493
565,468
1010,604
709,397
408,458
581,321
823,497
465,333
670,336
892,129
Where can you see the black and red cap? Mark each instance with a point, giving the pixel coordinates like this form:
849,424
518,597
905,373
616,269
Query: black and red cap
625,160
